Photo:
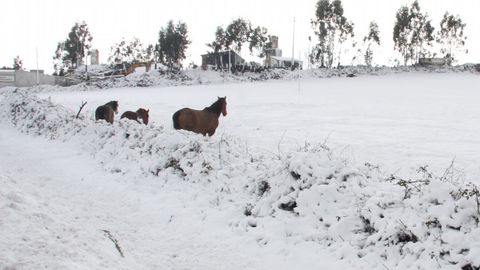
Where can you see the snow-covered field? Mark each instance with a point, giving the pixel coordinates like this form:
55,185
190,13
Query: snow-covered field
301,174
398,121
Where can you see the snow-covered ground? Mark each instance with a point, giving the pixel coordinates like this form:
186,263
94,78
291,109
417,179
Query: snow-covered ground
399,121
301,174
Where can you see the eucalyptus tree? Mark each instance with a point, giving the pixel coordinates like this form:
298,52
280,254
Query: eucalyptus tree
451,36
332,30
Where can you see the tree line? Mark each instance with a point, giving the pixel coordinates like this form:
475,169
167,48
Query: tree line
170,50
413,36
239,33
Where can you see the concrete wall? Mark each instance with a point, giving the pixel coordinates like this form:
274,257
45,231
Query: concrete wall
22,78
27,79
7,78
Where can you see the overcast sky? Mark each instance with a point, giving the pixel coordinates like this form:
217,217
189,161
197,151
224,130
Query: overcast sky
27,25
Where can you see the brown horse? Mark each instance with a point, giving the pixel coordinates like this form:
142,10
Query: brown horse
204,121
139,114
107,111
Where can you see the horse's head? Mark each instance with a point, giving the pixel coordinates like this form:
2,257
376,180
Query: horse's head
114,105
223,101
142,113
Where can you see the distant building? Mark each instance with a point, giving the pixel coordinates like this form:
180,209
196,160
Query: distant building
274,59
432,61
285,62
221,60
274,51
94,57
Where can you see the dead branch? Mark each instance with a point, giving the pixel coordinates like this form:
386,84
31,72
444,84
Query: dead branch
81,107
115,241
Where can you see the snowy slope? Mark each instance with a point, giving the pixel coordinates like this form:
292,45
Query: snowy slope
176,200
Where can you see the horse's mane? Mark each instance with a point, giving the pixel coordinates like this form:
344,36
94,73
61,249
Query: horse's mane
142,111
113,104
217,106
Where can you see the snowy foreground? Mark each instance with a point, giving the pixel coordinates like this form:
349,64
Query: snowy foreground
301,174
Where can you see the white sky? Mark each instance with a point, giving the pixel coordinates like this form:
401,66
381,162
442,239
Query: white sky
29,24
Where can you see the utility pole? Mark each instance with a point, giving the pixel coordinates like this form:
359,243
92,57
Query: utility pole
230,62
308,52
293,45
36,55
86,66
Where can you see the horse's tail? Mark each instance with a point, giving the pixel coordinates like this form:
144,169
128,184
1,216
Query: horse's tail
175,117
99,113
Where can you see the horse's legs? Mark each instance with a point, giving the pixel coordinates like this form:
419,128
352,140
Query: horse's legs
110,116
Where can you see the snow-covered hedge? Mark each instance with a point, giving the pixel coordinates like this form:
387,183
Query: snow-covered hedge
366,217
